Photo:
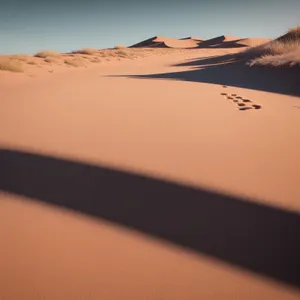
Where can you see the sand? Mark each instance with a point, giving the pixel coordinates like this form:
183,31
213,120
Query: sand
215,215
165,42
252,42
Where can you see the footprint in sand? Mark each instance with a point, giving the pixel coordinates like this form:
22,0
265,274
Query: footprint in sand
245,108
256,106
241,105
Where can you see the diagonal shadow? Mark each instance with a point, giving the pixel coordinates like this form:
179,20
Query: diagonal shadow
208,60
224,70
249,235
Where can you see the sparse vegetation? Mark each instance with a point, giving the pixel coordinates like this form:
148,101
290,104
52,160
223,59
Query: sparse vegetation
295,30
51,59
78,58
32,62
122,53
120,47
116,53
46,53
95,60
289,59
75,62
21,57
283,51
88,51
9,64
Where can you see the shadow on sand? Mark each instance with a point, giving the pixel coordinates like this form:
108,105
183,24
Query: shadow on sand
226,70
249,235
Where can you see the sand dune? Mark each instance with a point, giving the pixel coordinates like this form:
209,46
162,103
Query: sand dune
119,186
164,42
252,42
150,173
222,41
194,42
175,43
149,42
193,38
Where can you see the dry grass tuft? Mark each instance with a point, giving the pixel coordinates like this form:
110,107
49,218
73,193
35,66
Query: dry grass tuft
120,47
32,62
122,53
9,64
21,57
95,60
75,62
295,29
46,53
52,59
290,59
116,53
283,51
87,51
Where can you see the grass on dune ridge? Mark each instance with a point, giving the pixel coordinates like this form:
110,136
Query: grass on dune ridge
281,52
12,65
46,53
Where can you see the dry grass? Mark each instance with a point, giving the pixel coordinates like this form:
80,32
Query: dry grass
120,47
272,48
52,59
46,53
95,60
289,59
9,64
122,53
79,58
32,62
113,53
295,29
283,51
87,51
21,57
75,62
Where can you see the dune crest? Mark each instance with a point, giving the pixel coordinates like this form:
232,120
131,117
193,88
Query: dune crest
223,41
165,42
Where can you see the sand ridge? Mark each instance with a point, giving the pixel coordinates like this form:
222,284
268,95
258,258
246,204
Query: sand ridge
162,42
222,41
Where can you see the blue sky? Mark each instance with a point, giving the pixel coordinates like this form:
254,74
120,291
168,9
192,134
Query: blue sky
27,26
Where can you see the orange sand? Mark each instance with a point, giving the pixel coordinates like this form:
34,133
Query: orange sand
183,131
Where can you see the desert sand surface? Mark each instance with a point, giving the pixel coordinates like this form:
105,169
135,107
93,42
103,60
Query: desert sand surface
141,179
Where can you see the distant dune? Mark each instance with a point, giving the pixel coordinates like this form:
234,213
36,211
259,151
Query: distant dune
222,41
192,38
164,42
225,41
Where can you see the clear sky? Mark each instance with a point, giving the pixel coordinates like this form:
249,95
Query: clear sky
27,26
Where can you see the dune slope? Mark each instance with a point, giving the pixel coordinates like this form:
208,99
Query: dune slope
117,187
